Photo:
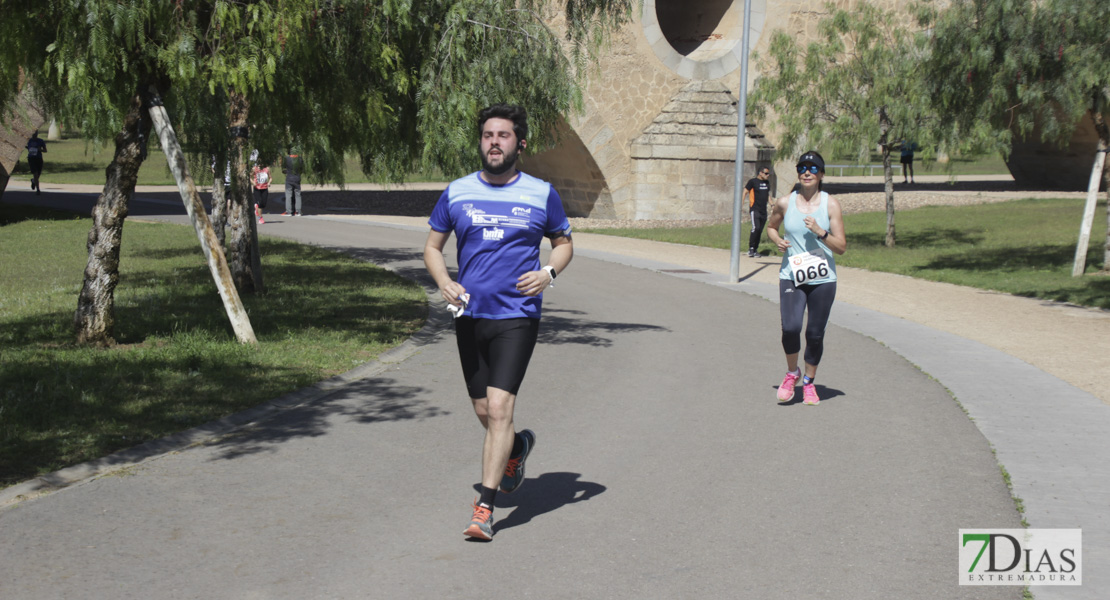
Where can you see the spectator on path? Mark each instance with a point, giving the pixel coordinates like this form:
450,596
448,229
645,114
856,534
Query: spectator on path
813,229
36,147
499,216
759,189
292,165
260,179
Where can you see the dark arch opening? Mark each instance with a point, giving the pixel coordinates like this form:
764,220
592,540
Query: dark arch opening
689,26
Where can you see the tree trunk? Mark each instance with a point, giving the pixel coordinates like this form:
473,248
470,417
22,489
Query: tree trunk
95,317
213,252
3,180
888,177
1104,147
219,203
243,246
1097,174
1106,248
888,188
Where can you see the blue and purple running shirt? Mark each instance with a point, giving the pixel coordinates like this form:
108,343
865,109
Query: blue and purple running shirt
498,230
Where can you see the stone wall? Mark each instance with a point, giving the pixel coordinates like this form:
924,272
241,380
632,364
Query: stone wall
683,164
1047,165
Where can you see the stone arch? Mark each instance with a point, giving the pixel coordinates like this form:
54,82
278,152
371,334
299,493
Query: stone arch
656,137
571,167
701,40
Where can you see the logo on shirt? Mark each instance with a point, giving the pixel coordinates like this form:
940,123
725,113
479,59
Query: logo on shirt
518,211
493,235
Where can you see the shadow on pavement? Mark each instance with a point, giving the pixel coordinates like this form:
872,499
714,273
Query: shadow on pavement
543,494
367,401
557,329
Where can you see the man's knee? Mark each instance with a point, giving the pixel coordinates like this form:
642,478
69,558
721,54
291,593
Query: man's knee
499,405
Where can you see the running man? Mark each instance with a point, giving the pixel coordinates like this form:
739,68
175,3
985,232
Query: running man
499,216
813,229
35,149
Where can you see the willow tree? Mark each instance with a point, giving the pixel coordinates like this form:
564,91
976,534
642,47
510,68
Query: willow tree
857,87
999,70
396,82
94,70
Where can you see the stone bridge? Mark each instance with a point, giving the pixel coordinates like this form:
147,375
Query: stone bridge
657,137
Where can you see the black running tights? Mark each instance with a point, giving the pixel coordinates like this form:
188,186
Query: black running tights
793,302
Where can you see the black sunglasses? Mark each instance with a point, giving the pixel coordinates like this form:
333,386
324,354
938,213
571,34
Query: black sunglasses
811,168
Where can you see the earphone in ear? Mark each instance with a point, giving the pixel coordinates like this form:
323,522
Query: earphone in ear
520,145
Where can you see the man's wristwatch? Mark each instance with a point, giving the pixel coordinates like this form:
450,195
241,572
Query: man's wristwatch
551,273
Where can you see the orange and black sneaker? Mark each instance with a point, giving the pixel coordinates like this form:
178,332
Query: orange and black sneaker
481,524
514,470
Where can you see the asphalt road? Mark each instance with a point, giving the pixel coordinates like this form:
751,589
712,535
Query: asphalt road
664,469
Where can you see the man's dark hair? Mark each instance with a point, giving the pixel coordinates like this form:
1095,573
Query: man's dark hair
514,113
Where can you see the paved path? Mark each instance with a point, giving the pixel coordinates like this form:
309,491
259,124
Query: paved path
664,467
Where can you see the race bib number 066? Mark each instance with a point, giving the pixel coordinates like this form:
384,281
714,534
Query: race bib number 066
810,266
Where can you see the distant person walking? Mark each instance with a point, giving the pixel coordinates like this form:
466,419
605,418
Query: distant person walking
759,189
499,217
292,165
813,230
36,147
908,148
260,179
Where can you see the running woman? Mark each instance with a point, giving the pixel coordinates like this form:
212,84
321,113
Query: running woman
813,229
499,216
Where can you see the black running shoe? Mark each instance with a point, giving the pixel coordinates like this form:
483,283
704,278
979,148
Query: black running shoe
514,471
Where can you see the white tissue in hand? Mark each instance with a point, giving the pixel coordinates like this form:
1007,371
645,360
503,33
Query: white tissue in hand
457,311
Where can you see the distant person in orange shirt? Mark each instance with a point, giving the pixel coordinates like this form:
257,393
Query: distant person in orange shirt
759,190
260,178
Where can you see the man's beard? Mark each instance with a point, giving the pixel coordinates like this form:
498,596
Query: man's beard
508,160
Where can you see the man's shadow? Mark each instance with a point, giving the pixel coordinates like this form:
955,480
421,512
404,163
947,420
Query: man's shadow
543,494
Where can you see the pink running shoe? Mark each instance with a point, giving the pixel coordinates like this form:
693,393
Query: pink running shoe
809,395
261,221
786,388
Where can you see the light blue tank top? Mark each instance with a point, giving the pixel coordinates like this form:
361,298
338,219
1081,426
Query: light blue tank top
803,240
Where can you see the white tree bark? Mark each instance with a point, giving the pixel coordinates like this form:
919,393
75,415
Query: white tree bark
213,252
1089,213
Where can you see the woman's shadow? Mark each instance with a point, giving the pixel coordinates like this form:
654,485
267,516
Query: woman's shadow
543,494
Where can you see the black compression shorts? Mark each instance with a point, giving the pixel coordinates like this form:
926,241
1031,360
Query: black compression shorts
495,352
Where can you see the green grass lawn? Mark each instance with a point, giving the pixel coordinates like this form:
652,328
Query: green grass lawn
73,161
177,364
1022,247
